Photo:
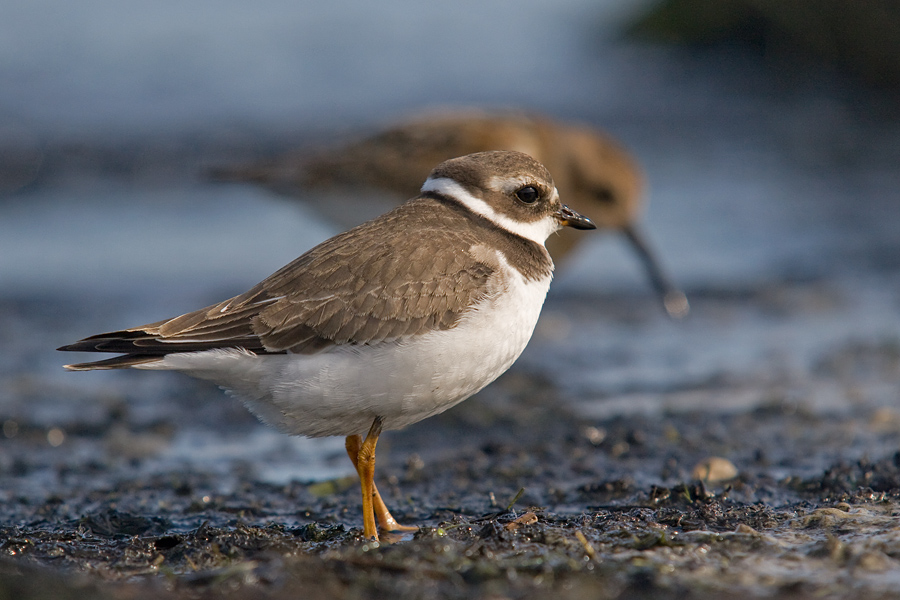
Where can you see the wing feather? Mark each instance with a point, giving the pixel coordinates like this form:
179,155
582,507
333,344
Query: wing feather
408,272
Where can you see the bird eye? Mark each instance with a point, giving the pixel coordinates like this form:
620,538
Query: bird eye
528,195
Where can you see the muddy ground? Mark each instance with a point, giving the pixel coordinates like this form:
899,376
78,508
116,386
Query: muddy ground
517,492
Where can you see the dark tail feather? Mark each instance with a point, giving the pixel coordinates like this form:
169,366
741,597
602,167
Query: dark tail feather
115,341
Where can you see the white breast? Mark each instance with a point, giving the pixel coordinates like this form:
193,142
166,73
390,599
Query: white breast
341,391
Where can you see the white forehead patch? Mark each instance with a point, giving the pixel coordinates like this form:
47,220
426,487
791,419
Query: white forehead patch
507,185
536,231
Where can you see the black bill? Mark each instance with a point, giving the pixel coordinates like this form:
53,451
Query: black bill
569,218
674,300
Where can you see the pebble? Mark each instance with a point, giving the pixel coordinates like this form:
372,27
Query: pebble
714,470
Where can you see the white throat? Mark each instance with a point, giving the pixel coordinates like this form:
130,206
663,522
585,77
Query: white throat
536,231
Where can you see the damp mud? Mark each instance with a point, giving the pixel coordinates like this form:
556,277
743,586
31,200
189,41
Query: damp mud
523,505
523,491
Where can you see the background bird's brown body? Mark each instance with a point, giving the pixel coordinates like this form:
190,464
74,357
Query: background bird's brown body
595,175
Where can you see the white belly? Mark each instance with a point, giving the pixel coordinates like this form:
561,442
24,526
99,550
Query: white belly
342,390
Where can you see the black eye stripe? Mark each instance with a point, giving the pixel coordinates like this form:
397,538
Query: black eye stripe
528,194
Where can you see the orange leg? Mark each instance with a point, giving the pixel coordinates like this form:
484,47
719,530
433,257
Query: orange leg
362,453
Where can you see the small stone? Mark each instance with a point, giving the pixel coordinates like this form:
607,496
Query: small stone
874,562
885,420
595,435
714,470
528,518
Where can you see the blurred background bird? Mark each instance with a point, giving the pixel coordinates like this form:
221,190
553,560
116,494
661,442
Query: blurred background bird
595,175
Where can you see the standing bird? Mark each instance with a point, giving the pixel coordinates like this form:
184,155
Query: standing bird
379,327
594,174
